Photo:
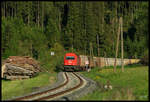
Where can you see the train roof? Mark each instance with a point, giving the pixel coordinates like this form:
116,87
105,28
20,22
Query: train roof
71,54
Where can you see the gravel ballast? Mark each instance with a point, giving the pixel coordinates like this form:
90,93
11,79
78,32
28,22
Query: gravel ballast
88,87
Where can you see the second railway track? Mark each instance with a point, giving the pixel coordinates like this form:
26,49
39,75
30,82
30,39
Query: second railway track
72,82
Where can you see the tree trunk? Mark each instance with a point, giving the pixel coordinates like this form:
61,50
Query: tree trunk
28,13
12,9
15,9
59,21
113,33
91,54
98,39
103,19
42,15
85,29
85,49
4,9
38,14
122,60
98,50
31,49
28,19
97,45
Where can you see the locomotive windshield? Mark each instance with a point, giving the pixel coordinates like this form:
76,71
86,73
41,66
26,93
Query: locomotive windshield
70,58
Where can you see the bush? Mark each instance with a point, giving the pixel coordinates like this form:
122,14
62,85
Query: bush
59,53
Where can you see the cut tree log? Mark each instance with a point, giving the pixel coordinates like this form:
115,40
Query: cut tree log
17,69
17,77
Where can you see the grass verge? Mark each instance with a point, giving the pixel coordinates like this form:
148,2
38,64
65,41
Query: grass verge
132,84
15,88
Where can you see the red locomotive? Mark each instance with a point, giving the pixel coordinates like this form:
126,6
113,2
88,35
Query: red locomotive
73,62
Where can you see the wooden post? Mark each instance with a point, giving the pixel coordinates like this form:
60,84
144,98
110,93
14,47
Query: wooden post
117,47
122,60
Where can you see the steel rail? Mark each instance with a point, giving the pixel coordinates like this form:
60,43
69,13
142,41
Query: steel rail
44,92
63,92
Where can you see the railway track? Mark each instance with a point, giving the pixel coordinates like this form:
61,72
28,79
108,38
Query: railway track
71,83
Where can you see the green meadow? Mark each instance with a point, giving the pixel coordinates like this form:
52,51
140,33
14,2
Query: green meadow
15,88
132,84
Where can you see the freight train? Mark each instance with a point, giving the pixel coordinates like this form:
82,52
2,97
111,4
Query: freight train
75,62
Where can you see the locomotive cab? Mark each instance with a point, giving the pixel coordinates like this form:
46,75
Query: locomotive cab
71,61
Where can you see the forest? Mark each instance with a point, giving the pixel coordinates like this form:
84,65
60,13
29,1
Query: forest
35,28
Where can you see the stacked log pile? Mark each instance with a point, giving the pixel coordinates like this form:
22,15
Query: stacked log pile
16,67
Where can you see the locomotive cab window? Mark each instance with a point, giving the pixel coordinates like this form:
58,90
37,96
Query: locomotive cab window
70,58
